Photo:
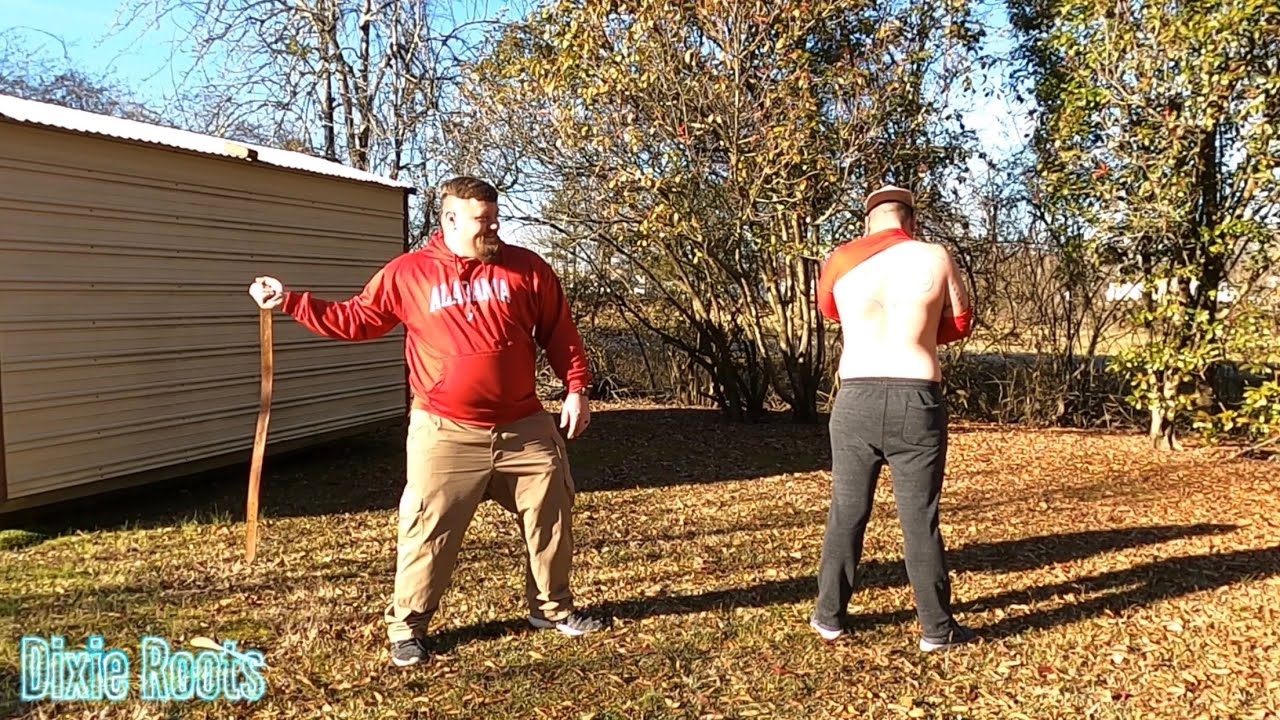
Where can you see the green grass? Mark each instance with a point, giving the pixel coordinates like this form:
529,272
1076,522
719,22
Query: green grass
1108,582
18,539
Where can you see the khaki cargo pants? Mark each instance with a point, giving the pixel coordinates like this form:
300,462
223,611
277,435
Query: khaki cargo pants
451,469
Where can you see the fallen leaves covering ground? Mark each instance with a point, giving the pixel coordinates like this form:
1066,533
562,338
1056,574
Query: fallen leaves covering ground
1107,580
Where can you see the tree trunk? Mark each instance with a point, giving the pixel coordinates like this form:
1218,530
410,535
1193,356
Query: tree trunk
805,409
1162,433
809,378
327,115
730,399
644,355
1163,437
363,96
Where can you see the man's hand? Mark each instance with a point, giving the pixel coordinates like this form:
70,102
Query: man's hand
576,414
267,292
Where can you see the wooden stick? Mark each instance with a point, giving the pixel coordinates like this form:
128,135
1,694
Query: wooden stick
259,435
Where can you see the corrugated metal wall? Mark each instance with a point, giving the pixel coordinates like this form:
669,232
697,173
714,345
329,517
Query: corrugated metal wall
127,338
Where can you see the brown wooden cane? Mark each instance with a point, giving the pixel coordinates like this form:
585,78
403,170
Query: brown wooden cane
260,435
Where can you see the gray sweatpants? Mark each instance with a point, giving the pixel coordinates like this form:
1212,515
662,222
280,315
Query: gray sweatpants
902,422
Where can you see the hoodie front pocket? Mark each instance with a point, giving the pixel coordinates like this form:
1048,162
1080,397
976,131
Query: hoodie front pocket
488,380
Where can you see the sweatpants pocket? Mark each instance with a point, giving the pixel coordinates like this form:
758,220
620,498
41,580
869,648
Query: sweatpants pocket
924,421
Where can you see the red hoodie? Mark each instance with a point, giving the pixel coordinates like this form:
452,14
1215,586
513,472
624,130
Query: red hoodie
471,328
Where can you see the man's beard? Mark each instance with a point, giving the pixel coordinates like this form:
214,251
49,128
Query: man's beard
487,247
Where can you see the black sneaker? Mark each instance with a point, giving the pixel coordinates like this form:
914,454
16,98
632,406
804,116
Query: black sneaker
958,636
573,625
408,652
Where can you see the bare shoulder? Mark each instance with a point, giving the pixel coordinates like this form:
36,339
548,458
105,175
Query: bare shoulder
928,254
932,249
943,252
936,254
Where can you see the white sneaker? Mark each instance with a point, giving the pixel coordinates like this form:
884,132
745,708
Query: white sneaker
959,636
826,633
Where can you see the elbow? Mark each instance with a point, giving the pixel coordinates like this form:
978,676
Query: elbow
958,327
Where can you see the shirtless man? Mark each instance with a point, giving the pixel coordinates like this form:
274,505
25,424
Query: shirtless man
897,299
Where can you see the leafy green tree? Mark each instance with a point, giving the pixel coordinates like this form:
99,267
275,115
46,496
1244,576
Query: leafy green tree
702,156
1158,130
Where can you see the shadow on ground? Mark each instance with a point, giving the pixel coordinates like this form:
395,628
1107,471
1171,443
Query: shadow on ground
1119,590
1107,592
625,449
1103,593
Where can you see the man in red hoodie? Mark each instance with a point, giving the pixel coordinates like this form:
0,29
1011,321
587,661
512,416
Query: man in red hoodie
473,308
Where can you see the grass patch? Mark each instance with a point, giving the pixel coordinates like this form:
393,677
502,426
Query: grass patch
1108,581
19,539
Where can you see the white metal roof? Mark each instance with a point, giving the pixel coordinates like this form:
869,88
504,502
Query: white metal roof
56,116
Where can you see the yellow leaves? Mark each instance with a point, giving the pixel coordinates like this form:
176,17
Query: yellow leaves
1006,666
704,537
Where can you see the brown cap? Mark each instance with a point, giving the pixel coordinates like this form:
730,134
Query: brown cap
890,193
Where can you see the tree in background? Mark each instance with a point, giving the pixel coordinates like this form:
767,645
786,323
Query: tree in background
1043,308
1158,131
28,69
361,82
701,157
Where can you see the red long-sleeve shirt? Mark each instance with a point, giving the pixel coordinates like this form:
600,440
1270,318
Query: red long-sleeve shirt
951,327
847,257
471,328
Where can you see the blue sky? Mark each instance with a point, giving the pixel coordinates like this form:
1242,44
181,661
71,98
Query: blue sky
1000,120
101,38
96,44
93,42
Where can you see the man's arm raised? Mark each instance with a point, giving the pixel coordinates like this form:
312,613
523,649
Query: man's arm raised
367,316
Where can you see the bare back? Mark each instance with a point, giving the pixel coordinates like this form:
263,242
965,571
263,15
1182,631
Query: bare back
889,306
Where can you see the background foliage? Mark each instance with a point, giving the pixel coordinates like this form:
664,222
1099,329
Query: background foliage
688,165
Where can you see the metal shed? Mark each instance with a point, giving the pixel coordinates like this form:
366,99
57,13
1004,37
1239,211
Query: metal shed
128,344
